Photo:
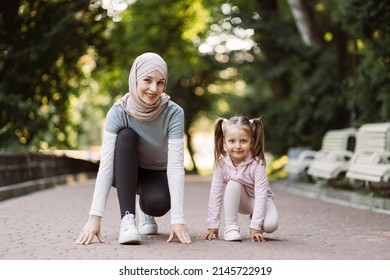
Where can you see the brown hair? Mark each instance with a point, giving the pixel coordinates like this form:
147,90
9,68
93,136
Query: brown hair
254,127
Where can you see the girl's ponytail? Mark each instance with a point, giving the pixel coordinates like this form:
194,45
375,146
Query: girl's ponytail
218,140
258,138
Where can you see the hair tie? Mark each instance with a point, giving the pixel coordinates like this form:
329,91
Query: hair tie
252,120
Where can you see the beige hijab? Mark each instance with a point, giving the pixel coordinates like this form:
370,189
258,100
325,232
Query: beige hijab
131,103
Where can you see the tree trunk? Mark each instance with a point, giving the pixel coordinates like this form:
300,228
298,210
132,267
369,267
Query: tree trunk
305,23
190,149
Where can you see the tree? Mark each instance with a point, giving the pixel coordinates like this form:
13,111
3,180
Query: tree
368,85
55,52
41,43
303,90
304,20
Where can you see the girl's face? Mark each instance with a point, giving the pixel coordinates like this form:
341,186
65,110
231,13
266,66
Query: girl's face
238,143
150,87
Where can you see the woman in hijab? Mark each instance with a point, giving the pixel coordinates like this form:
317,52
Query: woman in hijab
142,157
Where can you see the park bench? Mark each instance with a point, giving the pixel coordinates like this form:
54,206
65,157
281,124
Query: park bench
370,164
297,165
332,161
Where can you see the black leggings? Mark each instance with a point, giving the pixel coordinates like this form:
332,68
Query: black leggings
129,179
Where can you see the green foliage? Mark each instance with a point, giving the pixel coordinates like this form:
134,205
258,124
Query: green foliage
368,28
40,49
59,56
302,92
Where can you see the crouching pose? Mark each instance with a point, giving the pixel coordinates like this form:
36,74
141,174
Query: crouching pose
240,181
142,156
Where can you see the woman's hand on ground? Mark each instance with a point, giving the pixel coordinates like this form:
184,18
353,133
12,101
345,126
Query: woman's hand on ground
91,228
181,231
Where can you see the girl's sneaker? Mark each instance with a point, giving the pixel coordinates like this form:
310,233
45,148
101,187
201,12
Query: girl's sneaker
232,233
129,233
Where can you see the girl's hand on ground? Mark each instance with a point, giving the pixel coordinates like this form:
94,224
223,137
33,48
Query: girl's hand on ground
256,235
89,231
181,232
211,232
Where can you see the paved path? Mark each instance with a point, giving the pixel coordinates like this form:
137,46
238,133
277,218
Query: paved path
44,226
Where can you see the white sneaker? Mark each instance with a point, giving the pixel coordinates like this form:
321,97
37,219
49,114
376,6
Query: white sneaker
232,233
129,233
146,224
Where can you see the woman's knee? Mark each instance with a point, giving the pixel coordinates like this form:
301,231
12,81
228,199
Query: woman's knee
155,205
127,134
125,157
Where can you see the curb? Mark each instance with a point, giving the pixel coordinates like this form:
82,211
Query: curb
330,194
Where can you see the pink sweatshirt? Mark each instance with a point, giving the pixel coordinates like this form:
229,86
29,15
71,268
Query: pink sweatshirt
252,175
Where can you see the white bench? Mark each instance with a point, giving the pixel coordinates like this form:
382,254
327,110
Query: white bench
332,161
371,161
297,167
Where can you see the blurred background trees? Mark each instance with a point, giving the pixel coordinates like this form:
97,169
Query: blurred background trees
43,45
305,66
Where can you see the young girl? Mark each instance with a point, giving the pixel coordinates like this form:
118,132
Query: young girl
240,181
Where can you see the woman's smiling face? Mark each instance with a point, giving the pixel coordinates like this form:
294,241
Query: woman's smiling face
150,87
